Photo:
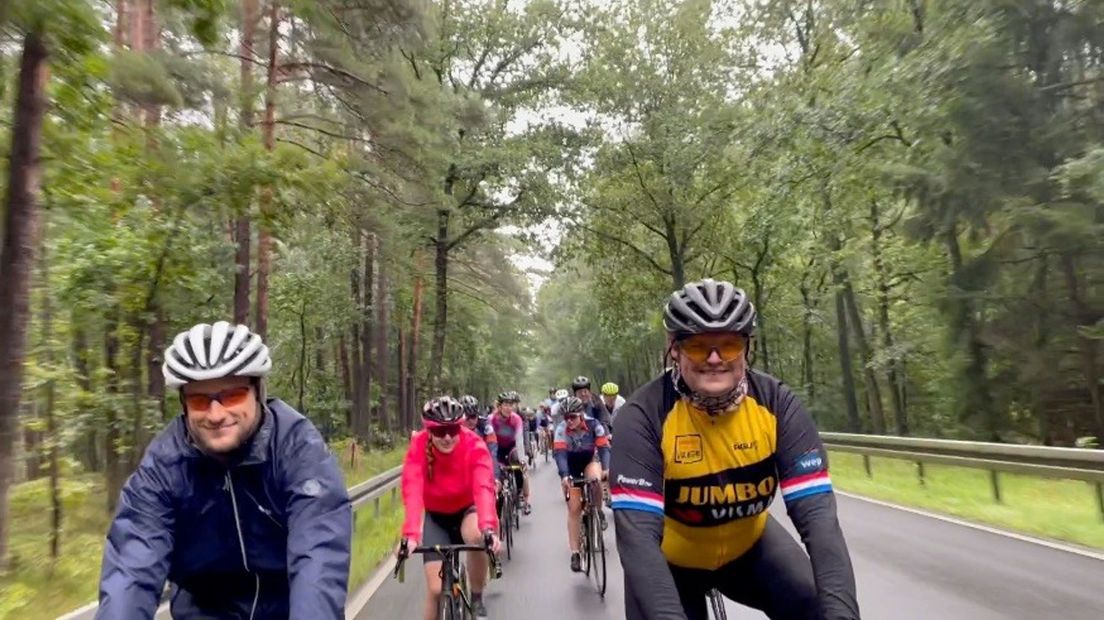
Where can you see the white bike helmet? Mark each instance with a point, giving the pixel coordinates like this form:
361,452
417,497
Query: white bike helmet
213,352
561,394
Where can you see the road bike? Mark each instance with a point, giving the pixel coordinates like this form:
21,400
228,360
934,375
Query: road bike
509,516
456,602
593,545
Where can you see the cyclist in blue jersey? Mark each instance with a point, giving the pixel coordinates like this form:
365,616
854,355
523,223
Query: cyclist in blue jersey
581,448
238,502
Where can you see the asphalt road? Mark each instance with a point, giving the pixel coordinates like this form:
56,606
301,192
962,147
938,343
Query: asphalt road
908,566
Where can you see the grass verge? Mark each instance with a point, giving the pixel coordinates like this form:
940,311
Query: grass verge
1058,509
38,588
374,537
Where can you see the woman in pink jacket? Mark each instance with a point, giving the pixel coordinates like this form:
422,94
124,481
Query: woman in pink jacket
448,492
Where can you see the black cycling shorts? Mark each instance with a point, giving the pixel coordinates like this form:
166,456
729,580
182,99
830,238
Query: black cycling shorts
577,463
442,529
774,576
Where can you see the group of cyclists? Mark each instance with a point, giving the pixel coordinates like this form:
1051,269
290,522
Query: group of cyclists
239,504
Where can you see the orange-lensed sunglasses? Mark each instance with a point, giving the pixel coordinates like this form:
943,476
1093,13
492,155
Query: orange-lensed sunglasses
230,397
699,347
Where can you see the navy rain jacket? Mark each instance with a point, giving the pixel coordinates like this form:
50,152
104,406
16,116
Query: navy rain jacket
267,537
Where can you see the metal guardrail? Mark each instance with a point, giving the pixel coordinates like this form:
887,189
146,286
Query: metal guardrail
371,490
1064,463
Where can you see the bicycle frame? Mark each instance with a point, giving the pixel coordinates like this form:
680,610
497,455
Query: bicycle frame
454,587
593,546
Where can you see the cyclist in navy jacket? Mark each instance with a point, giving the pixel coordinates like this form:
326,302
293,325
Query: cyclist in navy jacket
238,502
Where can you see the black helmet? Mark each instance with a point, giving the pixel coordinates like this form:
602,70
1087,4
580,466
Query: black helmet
709,306
571,405
442,410
470,405
508,396
580,382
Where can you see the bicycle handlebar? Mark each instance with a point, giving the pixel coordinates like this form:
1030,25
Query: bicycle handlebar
405,554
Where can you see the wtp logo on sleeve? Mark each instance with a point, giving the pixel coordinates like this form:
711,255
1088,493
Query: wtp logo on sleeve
808,463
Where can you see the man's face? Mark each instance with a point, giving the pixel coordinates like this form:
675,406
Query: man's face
221,427
470,422
583,394
609,400
506,408
712,363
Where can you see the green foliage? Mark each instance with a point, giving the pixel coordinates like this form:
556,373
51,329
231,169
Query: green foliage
942,166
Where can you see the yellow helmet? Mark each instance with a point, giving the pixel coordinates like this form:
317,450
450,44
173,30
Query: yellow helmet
610,389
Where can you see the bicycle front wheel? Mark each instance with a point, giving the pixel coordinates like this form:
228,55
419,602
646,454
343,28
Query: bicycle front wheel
445,607
584,528
598,554
504,529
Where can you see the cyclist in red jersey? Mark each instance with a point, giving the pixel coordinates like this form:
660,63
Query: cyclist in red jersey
449,497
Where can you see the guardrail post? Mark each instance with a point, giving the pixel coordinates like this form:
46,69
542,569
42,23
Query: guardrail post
866,465
993,477
1100,498
920,472
376,506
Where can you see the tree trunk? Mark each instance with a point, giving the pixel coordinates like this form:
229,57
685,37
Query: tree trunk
676,254
873,391
853,424
401,415
138,398
1090,347
760,331
894,375
155,379
137,24
89,454
342,365
368,292
415,333
302,372
264,241
112,467
356,360
807,335
319,352
383,357
978,398
122,11
1041,321
440,317
241,269
151,41
242,233
52,438
21,229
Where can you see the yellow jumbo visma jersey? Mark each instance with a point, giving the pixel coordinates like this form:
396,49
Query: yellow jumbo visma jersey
719,478
713,477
